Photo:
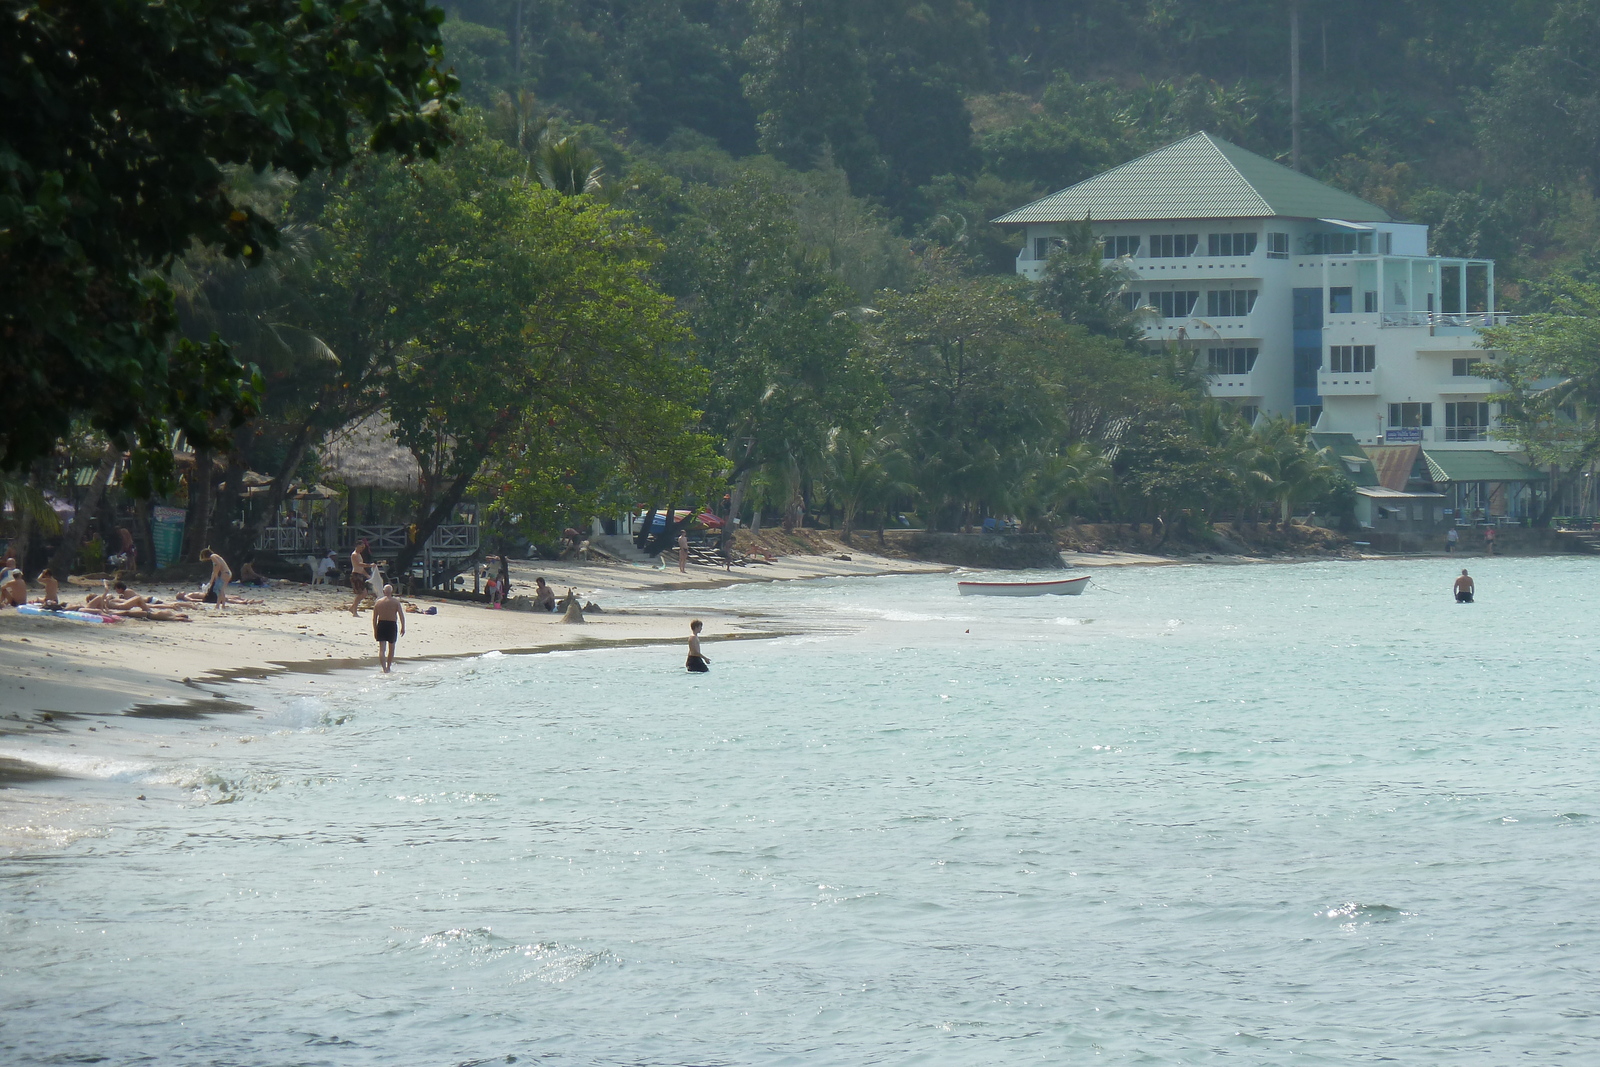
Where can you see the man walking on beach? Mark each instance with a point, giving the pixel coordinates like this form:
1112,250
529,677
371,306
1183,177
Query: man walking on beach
388,623
1450,539
359,568
683,551
1464,588
1488,539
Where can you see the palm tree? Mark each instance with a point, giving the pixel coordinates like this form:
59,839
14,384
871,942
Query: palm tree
861,471
1058,483
568,167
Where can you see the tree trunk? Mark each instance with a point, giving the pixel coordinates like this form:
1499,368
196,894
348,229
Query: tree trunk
435,517
197,525
237,543
642,539
735,502
278,489
66,554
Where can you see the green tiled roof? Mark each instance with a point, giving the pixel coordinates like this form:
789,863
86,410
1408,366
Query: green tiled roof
1354,460
1478,465
1199,177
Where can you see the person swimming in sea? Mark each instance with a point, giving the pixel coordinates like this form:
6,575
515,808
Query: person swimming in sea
697,664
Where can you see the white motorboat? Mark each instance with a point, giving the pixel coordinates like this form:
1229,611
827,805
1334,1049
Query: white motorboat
1061,587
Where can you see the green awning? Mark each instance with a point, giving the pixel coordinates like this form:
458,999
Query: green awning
1479,465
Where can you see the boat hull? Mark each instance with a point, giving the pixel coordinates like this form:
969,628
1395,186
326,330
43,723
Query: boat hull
1065,587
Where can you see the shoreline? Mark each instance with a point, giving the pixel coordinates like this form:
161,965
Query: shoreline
61,679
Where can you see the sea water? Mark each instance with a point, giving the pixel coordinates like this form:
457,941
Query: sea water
1261,814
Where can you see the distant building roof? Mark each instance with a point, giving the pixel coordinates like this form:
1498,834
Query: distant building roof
1199,177
1378,492
1479,465
1357,464
1394,464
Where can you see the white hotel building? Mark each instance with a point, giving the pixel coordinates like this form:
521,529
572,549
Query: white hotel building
1298,298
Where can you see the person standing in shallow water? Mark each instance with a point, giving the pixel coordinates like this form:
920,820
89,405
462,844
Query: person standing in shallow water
1464,588
388,623
697,664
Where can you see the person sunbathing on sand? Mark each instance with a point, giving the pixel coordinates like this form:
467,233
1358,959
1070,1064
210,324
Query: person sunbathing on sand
51,600
117,599
152,614
13,588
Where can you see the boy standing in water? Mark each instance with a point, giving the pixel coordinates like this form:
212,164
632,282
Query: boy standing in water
388,617
698,664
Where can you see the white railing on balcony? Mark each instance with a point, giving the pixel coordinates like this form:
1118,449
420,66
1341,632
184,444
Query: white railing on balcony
1465,320
453,541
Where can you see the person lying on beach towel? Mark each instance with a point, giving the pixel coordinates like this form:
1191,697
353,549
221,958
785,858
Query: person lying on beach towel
116,599
152,614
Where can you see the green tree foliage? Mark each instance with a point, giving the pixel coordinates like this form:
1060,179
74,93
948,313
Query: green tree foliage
1084,288
1550,367
774,326
1541,120
808,82
986,389
121,118
507,323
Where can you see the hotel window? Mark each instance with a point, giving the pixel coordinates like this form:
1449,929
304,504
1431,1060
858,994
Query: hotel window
1130,301
1230,244
1307,414
1173,245
1117,247
1179,305
1230,303
1410,414
1043,246
1466,421
1369,301
1385,244
1339,300
1462,368
1231,360
1248,413
1277,246
1351,359
1337,244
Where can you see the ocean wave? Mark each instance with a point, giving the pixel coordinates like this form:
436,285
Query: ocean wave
80,765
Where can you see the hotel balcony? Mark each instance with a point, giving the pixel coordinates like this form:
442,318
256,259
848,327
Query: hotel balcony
1332,384
1235,387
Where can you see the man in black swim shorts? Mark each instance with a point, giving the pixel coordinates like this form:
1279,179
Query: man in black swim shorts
697,663
1464,588
388,622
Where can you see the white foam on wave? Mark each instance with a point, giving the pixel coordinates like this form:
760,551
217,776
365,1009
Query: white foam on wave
80,764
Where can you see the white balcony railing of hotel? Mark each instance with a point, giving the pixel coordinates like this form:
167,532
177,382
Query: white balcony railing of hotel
1463,320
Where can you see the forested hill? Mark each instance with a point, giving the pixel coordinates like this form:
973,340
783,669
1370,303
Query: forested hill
1479,117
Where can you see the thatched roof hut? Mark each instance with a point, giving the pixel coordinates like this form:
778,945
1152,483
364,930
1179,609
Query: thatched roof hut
364,454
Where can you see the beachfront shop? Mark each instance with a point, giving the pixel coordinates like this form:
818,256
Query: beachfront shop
1397,520
1480,485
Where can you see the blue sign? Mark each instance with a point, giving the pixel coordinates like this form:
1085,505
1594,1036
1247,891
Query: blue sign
1403,434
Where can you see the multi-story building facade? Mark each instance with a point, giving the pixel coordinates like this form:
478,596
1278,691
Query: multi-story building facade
1298,299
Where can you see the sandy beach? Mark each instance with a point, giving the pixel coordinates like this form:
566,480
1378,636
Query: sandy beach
74,668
